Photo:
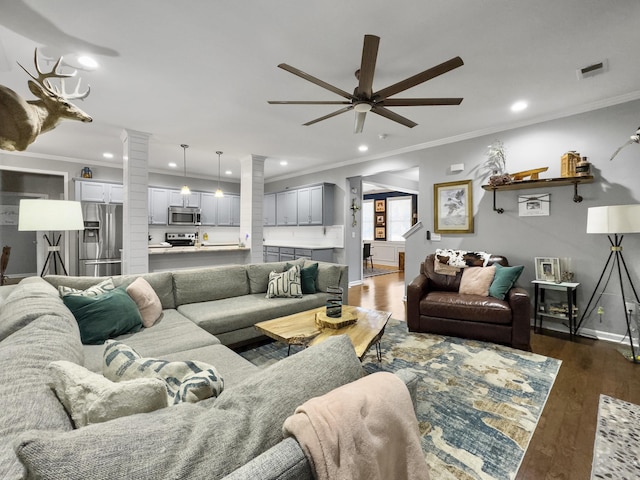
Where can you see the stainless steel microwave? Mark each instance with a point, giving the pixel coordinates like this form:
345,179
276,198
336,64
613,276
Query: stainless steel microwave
184,216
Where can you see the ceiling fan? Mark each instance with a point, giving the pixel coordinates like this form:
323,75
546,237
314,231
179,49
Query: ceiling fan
364,99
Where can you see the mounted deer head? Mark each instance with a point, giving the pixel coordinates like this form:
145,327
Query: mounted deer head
22,121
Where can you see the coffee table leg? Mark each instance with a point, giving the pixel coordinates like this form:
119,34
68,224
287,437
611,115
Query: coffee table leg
378,351
289,350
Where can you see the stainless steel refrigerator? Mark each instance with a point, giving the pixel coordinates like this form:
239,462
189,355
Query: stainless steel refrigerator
100,243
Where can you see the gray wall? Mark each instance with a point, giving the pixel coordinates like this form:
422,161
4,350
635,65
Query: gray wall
596,135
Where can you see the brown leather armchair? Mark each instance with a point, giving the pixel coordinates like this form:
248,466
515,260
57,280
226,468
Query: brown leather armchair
435,306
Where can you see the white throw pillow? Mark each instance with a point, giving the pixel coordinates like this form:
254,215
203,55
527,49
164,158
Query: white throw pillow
286,284
477,280
147,300
89,398
98,289
189,381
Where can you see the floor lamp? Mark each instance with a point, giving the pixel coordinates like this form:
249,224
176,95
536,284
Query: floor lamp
53,216
615,220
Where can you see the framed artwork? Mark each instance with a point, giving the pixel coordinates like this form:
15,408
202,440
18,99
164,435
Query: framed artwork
534,205
380,232
548,269
380,207
453,207
379,219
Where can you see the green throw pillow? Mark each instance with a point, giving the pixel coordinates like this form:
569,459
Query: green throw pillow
104,316
308,275
504,279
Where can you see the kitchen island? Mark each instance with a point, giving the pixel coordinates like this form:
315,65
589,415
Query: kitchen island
163,258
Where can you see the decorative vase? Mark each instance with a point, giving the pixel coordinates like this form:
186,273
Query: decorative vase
334,302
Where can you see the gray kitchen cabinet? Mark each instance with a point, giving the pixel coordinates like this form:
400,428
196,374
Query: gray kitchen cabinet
99,192
269,206
158,206
287,254
228,210
287,208
235,210
271,254
208,209
176,199
315,205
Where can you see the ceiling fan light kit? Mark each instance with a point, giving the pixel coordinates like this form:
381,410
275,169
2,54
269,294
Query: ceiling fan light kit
364,99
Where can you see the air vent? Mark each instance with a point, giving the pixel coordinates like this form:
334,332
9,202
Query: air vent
592,70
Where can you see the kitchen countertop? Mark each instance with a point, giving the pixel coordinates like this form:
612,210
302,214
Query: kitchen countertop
294,245
155,250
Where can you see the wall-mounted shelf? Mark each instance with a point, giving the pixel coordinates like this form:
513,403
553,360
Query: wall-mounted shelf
541,183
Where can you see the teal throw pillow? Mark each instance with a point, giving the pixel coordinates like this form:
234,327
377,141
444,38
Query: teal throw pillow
104,316
308,275
504,279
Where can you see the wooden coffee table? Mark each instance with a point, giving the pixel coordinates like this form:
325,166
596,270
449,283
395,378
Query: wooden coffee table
301,329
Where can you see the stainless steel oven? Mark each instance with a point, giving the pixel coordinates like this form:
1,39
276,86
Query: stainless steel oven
184,216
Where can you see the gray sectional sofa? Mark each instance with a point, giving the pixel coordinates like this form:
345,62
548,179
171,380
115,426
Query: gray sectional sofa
234,436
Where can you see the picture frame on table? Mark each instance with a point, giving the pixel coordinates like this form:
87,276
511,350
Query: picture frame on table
453,207
548,269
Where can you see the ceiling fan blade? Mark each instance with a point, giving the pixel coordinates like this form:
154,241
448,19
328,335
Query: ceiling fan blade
368,65
419,78
337,112
305,102
410,102
359,125
394,116
315,80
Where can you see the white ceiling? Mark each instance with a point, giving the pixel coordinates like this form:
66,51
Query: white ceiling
201,72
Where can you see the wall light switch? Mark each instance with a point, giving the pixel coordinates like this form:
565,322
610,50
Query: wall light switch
436,237
353,234
457,167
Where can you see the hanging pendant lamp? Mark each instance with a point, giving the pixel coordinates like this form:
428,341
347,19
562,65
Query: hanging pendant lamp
185,190
219,192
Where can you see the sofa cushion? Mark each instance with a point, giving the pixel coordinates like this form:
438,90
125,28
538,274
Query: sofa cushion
505,278
477,280
147,300
89,398
29,300
328,275
27,401
231,314
172,333
285,284
204,440
185,381
475,308
103,316
214,283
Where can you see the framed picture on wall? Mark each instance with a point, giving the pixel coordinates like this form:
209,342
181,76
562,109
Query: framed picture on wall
380,233
379,219
453,207
380,206
533,205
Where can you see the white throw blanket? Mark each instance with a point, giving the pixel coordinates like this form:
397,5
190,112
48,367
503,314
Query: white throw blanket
365,430
456,258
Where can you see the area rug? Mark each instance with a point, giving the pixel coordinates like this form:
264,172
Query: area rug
616,450
374,272
478,403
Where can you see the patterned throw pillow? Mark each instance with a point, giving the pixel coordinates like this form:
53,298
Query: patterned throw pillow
102,287
189,381
285,284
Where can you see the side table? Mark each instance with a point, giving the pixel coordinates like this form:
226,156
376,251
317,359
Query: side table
571,314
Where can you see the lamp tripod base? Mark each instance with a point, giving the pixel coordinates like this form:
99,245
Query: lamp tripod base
53,256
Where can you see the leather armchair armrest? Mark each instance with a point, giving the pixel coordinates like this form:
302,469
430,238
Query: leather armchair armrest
415,291
520,303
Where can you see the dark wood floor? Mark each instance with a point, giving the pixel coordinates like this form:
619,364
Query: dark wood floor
562,445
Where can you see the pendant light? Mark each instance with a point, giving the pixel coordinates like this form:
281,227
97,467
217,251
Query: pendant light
185,190
219,192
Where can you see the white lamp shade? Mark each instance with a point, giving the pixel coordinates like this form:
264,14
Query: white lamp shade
50,215
614,219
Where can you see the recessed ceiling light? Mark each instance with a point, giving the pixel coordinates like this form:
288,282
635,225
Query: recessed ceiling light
108,155
284,163
173,164
228,172
88,62
363,148
519,106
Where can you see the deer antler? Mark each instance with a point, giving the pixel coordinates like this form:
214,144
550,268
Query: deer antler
43,80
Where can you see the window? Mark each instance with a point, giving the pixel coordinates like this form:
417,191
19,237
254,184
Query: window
398,217
367,220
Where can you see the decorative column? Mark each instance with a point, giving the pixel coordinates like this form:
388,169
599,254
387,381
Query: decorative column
353,233
251,204
135,215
